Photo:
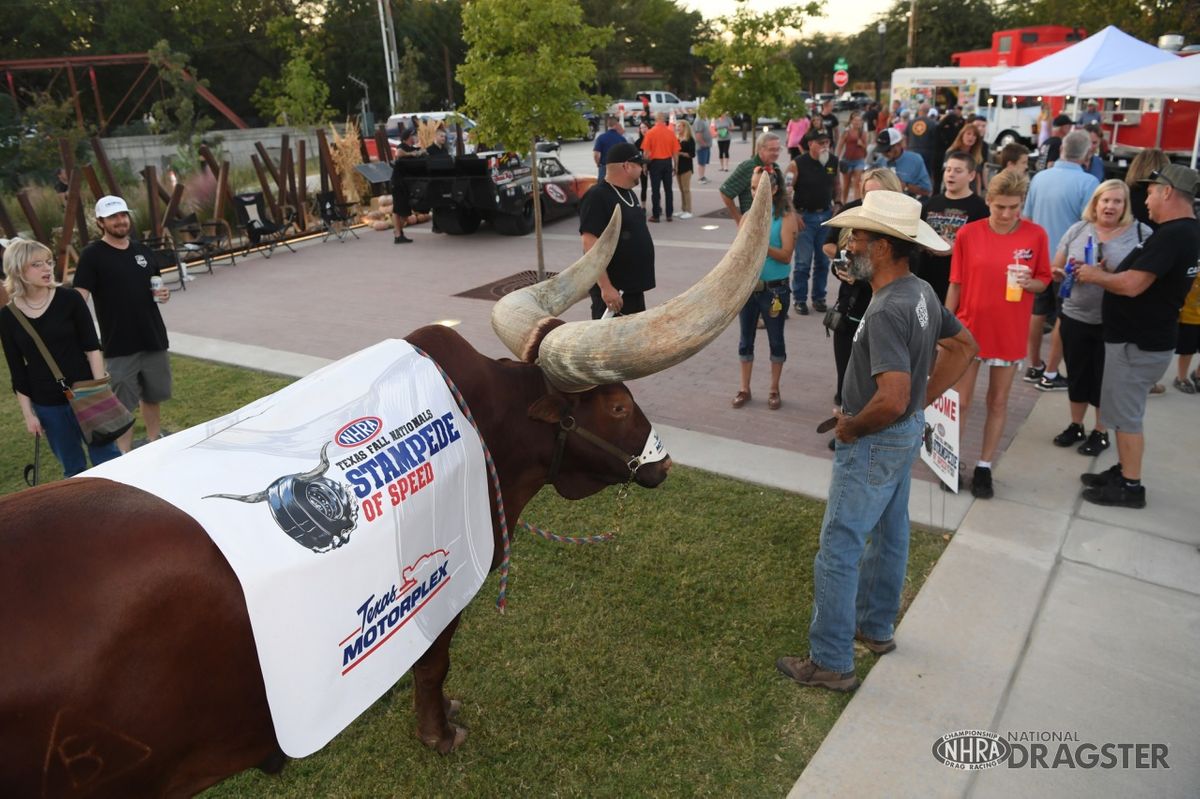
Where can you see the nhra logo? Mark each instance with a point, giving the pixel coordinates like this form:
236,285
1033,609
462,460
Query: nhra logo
358,432
971,750
383,614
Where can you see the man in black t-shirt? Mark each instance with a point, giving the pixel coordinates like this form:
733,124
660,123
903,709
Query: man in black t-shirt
946,213
1048,151
621,288
1140,310
829,120
118,271
401,208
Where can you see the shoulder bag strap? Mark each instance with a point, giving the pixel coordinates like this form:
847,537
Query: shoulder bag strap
41,345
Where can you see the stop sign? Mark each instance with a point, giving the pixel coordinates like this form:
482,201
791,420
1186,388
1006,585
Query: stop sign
841,78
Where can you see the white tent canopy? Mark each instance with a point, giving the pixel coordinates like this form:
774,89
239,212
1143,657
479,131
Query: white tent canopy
1109,52
1178,80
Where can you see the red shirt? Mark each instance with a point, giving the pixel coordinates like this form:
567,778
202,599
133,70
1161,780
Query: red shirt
979,266
660,142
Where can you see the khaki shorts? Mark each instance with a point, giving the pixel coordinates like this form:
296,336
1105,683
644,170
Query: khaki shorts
142,376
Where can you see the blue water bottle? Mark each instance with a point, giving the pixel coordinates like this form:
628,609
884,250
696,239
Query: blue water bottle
1068,283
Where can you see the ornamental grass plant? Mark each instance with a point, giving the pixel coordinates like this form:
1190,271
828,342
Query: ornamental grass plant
639,667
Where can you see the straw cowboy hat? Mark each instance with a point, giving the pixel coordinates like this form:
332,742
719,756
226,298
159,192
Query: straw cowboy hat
892,214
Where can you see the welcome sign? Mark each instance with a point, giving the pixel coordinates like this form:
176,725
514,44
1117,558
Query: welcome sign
939,449
353,507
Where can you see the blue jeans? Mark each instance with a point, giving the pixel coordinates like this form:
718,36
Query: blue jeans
760,304
66,439
660,182
859,570
810,256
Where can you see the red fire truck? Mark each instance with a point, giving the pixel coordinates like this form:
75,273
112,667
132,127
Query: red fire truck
1131,124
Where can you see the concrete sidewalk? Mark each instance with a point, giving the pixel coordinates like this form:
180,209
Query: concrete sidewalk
1045,614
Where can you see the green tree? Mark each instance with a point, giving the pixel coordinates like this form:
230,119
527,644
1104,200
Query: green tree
1143,19
303,98
525,66
412,90
753,74
175,113
43,122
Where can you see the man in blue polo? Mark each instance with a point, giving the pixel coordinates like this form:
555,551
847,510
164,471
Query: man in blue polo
909,167
604,142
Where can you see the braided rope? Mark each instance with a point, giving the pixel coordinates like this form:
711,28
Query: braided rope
502,599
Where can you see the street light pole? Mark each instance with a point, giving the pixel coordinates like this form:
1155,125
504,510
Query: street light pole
882,28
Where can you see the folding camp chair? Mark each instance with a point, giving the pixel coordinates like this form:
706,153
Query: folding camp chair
206,240
167,260
334,216
260,230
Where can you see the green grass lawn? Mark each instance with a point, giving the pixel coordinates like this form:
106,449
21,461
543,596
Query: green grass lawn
640,667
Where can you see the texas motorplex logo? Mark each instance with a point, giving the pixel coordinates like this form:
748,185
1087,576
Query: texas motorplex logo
978,750
384,613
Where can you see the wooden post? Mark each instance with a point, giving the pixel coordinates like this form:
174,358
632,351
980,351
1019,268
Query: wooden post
266,188
73,207
302,182
173,205
35,224
89,174
68,157
335,180
266,159
285,166
6,225
207,155
105,167
381,143
150,174
222,190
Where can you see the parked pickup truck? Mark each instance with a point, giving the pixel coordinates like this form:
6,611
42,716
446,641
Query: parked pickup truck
659,101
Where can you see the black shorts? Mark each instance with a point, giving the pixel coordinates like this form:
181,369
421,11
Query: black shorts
400,205
1189,339
1048,301
631,302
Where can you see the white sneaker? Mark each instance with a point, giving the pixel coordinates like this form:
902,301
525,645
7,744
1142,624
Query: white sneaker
685,215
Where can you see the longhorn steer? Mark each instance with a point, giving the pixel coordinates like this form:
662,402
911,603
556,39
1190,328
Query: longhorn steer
129,666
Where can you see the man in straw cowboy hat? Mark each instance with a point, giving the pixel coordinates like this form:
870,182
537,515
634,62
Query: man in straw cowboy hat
893,375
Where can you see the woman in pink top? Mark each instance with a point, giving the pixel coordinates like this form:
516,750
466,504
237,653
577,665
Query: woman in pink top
852,156
796,128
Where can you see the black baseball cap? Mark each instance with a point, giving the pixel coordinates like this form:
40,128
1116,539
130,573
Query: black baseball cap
1063,119
815,134
624,153
1177,177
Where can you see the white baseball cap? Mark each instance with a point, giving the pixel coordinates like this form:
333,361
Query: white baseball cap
109,205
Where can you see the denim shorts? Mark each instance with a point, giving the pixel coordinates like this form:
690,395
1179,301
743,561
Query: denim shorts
857,165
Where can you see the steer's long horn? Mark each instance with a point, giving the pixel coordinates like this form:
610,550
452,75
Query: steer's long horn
578,355
515,315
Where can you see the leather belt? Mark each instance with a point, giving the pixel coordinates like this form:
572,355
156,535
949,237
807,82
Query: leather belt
769,284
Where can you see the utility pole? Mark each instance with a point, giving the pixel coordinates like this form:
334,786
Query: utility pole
391,57
910,59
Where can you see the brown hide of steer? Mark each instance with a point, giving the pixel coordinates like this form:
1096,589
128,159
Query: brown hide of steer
130,667
128,663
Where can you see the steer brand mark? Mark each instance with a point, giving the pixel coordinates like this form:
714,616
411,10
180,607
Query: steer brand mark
83,754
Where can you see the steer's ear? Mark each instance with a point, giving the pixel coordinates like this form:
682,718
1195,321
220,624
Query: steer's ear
552,408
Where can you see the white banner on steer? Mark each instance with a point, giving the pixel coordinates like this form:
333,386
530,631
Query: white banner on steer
354,507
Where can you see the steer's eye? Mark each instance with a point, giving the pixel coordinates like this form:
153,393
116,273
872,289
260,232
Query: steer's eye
620,409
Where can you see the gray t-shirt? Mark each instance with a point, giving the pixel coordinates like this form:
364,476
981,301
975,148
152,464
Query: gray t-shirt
898,333
1084,303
